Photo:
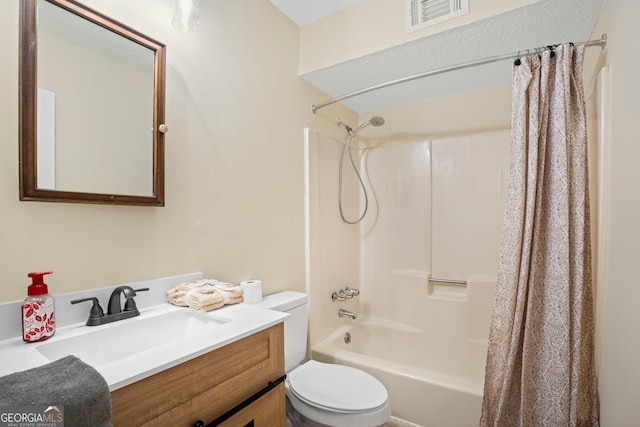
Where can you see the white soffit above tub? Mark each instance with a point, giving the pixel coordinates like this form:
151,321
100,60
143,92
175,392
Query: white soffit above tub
543,23
304,12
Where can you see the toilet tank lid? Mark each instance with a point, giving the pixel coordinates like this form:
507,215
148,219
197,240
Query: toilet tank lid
283,301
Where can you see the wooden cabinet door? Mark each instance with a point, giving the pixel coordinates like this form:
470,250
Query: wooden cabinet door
267,411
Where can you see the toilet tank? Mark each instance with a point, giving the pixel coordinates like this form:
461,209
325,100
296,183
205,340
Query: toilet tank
295,325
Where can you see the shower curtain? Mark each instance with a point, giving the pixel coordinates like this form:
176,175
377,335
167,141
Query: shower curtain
540,363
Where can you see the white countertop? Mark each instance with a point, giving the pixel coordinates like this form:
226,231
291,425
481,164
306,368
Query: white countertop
242,320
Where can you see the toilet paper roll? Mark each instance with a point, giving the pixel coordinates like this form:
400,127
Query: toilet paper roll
252,291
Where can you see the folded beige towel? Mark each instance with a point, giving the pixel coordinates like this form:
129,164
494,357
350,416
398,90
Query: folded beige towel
179,295
232,294
205,295
206,301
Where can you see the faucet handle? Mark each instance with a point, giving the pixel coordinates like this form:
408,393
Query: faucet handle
96,311
351,292
338,296
129,302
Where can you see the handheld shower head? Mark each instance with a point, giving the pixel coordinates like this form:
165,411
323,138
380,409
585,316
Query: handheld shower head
376,121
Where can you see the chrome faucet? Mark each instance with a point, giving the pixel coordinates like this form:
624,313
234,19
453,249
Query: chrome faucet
346,313
344,294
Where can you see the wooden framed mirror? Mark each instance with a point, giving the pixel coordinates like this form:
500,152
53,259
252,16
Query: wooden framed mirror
92,107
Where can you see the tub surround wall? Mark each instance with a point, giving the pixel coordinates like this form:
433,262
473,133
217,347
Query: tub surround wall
434,206
395,220
619,368
452,210
332,246
438,213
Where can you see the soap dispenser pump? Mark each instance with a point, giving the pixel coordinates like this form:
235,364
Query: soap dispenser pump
38,318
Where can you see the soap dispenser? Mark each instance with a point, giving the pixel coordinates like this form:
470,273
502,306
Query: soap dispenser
38,319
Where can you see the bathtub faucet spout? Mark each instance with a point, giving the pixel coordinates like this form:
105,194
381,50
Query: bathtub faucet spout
346,313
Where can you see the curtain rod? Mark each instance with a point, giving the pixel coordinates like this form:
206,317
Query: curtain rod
600,42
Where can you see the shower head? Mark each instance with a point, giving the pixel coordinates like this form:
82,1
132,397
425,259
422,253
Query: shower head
376,121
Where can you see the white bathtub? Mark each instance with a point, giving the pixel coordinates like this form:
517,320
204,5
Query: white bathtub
432,381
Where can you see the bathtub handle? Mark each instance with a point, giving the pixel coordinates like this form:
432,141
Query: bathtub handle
344,294
338,296
352,292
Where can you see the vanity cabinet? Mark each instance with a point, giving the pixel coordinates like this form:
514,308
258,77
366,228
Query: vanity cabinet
210,386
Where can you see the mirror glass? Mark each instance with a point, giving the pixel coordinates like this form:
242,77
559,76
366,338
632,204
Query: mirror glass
94,89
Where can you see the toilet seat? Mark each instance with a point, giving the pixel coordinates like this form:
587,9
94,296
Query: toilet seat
337,388
337,395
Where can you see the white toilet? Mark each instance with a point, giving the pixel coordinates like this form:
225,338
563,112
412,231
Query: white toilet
322,394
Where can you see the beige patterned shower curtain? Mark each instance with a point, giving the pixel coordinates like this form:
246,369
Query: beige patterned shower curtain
540,363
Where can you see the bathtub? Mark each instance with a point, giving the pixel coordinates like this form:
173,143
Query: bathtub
432,380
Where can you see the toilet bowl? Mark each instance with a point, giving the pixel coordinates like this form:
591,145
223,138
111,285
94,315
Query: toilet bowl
322,394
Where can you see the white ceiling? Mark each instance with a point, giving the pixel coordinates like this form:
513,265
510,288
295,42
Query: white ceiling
304,12
543,23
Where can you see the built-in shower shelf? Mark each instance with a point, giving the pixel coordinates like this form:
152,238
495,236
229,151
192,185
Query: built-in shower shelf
450,289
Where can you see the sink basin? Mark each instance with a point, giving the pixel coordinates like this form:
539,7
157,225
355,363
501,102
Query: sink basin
100,346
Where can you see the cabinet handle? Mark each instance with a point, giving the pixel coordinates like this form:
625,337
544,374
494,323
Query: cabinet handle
199,423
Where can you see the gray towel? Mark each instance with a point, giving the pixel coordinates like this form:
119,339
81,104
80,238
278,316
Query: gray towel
67,382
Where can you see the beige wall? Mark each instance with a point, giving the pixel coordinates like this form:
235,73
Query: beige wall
236,110
469,113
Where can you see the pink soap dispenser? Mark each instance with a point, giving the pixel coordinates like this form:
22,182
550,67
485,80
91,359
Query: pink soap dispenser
38,319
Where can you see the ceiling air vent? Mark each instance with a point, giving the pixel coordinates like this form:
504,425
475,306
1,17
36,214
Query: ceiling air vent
424,13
